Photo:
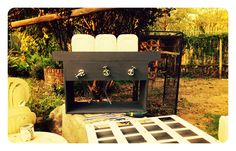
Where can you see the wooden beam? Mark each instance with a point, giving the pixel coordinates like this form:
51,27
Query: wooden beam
52,17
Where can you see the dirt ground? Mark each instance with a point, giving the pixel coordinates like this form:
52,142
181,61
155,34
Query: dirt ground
202,102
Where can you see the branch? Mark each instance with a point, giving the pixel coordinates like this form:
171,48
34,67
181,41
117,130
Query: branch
86,23
52,17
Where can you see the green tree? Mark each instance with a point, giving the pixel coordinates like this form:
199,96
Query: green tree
194,21
114,21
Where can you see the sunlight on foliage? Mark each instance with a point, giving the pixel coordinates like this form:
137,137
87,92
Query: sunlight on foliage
30,53
194,21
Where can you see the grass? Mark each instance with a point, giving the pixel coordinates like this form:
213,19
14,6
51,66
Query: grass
213,124
156,92
202,101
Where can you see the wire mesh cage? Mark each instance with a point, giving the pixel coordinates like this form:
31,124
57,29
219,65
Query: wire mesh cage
164,74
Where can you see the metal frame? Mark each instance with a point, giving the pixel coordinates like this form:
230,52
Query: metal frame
92,63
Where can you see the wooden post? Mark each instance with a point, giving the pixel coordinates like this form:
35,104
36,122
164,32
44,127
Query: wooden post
220,59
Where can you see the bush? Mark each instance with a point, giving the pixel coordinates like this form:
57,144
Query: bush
43,106
17,66
30,53
43,100
38,63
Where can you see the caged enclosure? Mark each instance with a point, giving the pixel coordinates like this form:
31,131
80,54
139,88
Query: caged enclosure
147,80
164,74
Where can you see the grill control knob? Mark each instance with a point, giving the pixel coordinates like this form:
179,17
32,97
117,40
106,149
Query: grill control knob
131,71
81,73
106,72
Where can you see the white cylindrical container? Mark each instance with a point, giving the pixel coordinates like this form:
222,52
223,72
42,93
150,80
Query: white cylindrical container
127,43
27,132
105,43
83,43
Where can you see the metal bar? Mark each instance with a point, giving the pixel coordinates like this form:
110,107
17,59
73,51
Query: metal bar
178,75
164,91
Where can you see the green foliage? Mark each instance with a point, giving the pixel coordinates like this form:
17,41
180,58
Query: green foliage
119,20
194,21
17,66
206,47
115,21
43,106
29,53
58,89
43,100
